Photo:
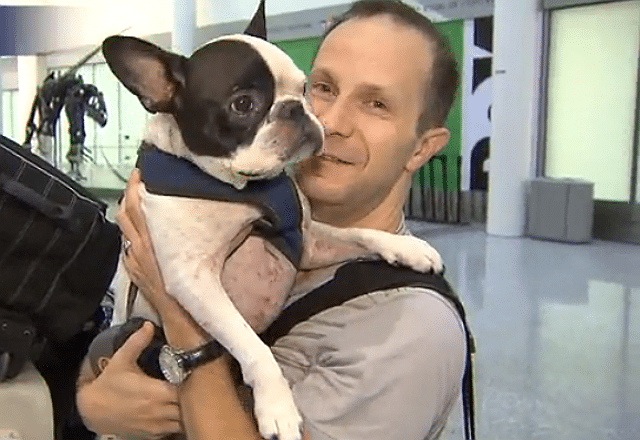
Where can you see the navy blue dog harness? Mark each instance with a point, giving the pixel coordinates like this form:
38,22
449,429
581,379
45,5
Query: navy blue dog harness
277,198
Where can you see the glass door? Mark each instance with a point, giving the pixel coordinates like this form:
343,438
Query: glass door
592,109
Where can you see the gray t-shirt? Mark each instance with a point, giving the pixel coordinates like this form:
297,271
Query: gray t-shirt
382,366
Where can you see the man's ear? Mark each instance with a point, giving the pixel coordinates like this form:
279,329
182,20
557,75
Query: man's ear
258,27
154,75
428,145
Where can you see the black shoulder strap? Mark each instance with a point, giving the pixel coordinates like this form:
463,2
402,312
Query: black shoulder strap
361,277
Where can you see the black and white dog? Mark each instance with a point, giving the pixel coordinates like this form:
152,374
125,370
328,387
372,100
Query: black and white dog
235,112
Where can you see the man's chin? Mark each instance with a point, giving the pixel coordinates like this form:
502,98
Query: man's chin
322,167
324,189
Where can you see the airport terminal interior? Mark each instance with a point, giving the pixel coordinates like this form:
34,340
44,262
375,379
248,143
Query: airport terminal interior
539,234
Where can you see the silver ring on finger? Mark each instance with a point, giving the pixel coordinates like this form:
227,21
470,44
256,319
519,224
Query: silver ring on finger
126,244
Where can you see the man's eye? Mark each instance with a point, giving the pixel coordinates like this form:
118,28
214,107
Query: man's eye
242,104
377,105
321,88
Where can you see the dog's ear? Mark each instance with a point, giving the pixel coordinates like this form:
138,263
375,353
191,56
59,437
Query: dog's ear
258,27
154,75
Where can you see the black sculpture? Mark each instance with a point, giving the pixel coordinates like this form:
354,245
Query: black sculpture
68,90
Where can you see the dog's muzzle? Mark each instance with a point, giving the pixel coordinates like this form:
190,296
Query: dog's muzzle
291,110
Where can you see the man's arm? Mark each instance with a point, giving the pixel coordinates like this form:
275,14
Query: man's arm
211,401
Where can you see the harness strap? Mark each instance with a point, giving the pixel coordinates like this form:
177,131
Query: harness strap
277,197
354,279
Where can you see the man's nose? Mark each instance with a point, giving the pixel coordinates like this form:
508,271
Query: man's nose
336,117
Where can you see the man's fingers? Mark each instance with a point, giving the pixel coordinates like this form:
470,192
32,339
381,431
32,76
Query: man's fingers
171,411
126,226
132,203
165,428
134,345
130,197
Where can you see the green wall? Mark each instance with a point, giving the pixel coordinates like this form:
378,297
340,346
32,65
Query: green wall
453,30
303,50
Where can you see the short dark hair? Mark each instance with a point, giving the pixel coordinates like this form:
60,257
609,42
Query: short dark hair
442,84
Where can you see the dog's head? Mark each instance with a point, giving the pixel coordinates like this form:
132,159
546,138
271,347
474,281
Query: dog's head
238,100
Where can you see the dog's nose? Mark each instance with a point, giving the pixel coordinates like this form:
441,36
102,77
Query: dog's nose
290,109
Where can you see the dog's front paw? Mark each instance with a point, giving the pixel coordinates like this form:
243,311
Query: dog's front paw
276,411
412,252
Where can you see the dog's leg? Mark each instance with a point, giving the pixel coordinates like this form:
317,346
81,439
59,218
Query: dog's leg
206,301
326,245
120,288
192,241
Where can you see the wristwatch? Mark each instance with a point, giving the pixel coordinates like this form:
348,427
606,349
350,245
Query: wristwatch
176,365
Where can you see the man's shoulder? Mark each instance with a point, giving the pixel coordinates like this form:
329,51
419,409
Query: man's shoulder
391,353
390,317
407,304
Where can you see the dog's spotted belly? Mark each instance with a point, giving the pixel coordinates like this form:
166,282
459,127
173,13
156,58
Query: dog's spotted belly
258,278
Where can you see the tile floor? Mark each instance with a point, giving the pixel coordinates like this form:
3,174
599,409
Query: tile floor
558,333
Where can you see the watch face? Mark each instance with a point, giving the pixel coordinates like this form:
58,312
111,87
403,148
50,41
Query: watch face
171,366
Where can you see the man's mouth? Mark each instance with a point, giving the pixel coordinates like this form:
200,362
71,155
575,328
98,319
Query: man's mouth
334,159
250,173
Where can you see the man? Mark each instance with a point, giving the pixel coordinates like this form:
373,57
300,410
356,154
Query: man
386,365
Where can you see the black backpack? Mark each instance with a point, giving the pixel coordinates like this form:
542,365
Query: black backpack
58,254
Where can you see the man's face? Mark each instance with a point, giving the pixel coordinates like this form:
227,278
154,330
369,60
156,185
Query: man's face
366,86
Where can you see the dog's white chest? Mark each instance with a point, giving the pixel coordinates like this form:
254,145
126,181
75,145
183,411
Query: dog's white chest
182,227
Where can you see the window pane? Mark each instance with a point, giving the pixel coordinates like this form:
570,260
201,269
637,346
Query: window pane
593,64
107,136
8,116
18,130
132,121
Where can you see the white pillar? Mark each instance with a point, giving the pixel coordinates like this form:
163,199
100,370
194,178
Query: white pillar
31,73
184,25
514,115
1,89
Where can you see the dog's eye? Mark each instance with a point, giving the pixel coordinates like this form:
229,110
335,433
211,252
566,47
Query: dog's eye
242,104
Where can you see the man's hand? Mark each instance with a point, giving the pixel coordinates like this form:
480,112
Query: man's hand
124,401
139,258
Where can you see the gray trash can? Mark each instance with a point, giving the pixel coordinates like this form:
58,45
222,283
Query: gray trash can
560,209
